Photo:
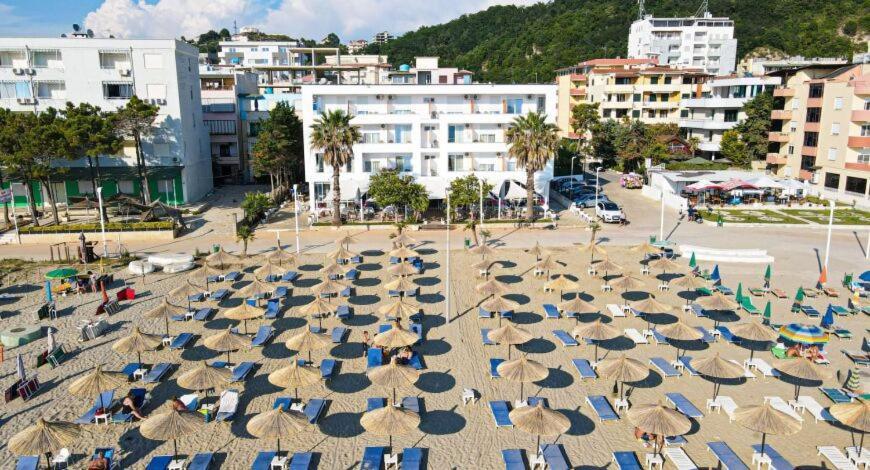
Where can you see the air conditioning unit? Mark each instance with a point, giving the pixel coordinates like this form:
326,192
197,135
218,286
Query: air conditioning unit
815,178
30,71
466,96
26,101
379,97
18,71
124,72
528,97
474,97
389,97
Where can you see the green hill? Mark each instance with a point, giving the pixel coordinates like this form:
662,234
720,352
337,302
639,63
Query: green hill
523,44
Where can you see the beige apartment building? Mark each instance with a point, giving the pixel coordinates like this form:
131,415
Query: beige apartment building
626,88
821,129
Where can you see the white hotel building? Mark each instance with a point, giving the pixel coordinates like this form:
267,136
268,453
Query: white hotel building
38,73
704,42
434,133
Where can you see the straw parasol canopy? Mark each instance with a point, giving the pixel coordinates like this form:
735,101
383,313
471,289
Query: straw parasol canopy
329,287
404,239
717,301
855,415
767,420
295,376
485,263
96,382
608,266
491,287
500,304
690,283
171,423
509,335
400,284
222,259
227,341
267,269
166,310
754,331
257,288
717,367
390,420
622,369
402,269
317,307
393,375
396,337
628,282
540,421
596,331
137,342
184,291
403,252
332,269
537,250
561,283
547,264
665,264
578,305
308,341
483,250
44,437
276,423
281,257
345,239
401,308
659,420
244,312
523,370
204,377
680,331
341,253
801,368
201,276
645,249
593,249
650,305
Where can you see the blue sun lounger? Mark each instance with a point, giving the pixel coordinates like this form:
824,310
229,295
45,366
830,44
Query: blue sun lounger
272,278
157,372
509,314
201,461
352,275
202,314
687,364
554,455
565,338
602,408
416,361
533,401
483,313
484,333
290,276
313,409
684,405
707,338
346,292
180,341
233,276
810,311
514,459
301,461
726,334
374,357
501,413
219,295
130,368
103,400
836,395
726,456
283,403
263,460
698,311
626,461
660,338
139,399
411,403
273,308
375,403
264,334
584,368
241,371
343,311
777,461
199,297
338,334
412,458
372,459
551,311
493,367
664,367
327,368
27,462
159,462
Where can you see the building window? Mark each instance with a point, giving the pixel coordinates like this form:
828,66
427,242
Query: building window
814,114
795,103
514,106
864,156
402,163
832,154
371,137
792,125
636,97
838,102
635,113
667,80
654,80
542,103
456,162
623,81
321,190
51,90
811,139
856,185
832,180
254,129
730,115
865,130
318,162
223,127
117,91
684,113
791,149
817,90
808,163
45,59
835,128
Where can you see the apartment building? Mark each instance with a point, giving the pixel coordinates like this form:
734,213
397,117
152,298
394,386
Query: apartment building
434,133
426,71
821,129
705,42
767,65
223,91
383,37
357,45
38,73
369,69
719,108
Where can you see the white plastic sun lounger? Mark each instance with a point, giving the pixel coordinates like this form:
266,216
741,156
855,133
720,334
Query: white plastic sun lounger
817,410
836,457
615,311
746,372
679,458
728,405
763,367
781,405
635,336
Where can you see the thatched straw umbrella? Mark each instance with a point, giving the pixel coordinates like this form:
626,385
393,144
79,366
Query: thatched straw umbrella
767,420
537,250
540,421
317,308
257,289
659,420
345,239
680,331
393,375
578,306
403,252
276,423
690,284
295,376
204,377
801,368
754,331
596,331
491,287
716,367
308,341
622,369
221,259
645,249
547,264
522,370
184,291
281,257
717,302
593,249
404,239
171,423
202,276
561,284
483,250
137,342
44,437
244,312
500,304
332,270
855,415
402,269
165,311
606,267
227,341
390,420
396,337
96,382
628,283
400,284
509,335
267,270
328,287
651,305
401,309
341,254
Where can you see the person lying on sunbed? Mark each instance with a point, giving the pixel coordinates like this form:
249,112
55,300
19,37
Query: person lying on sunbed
128,406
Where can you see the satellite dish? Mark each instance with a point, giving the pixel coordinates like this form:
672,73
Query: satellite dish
76,27
90,33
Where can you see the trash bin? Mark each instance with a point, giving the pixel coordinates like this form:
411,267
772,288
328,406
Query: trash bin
215,248
719,221
467,242
652,239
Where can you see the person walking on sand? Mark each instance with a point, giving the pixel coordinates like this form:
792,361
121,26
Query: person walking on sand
367,341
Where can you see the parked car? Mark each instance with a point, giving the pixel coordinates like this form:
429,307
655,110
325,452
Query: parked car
609,212
588,200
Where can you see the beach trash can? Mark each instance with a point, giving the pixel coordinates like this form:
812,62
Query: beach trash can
215,248
467,242
719,221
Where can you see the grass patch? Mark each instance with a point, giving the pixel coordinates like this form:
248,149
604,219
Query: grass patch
95,227
841,216
749,216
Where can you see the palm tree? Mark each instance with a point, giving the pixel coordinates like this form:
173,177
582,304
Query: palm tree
533,141
471,225
244,234
693,144
333,133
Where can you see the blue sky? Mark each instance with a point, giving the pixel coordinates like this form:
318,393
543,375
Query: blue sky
42,17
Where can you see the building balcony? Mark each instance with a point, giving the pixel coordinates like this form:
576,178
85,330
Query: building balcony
784,92
713,102
776,159
859,142
781,114
858,166
812,127
809,151
709,146
616,105
578,92
661,104
708,124
806,175
861,115
578,77
815,102
778,137
862,88
619,89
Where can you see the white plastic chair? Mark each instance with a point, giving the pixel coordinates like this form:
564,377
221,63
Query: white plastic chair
537,461
61,460
391,460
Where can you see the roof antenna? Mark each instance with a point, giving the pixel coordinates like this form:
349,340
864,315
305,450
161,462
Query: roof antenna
640,10
704,10
235,27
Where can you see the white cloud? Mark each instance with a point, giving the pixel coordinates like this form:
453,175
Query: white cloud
313,19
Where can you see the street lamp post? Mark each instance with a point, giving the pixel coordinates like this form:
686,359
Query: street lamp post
447,264
480,188
103,222
572,176
596,186
662,218
830,227
296,214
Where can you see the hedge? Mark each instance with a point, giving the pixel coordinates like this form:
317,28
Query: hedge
95,227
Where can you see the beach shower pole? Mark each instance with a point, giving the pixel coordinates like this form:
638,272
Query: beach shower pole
481,202
103,225
296,214
662,218
447,264
830,227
